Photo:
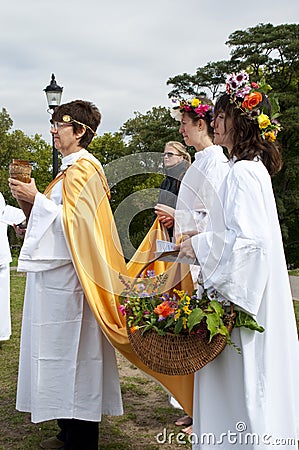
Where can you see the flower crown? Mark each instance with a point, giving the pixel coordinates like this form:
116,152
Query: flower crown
195,104
247,97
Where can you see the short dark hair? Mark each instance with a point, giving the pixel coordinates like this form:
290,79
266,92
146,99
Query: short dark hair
82,111
246,137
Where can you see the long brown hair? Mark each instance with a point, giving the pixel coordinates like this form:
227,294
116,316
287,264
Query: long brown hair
246,137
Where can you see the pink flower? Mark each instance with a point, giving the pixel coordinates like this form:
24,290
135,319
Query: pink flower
122,309
201,110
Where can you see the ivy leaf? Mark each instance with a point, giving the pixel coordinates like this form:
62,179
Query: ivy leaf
244,319
217,307
195,318
213,325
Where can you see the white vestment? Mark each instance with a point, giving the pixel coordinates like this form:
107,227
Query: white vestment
198,193
67,366
253,395
199,188
5,259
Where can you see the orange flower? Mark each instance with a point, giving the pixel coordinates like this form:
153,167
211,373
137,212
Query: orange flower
163,310
251,100
134,329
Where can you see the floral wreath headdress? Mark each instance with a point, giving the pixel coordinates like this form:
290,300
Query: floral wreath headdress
68,119
195,104
247,96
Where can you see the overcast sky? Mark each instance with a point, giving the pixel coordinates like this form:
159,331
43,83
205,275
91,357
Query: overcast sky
117,53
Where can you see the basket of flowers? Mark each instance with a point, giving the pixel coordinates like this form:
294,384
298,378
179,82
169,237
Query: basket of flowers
177,333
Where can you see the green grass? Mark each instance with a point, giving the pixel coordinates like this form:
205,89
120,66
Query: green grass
146,408
294,272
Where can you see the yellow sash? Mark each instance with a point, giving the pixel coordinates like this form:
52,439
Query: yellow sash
97,256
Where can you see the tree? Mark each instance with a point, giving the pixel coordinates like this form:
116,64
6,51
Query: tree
145,136
16,145
271,51
207,80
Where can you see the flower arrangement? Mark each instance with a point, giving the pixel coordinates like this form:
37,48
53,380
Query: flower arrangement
247,96
147,309
197,105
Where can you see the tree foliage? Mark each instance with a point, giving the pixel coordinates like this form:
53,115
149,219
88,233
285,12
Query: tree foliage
132,157
16,145
271,51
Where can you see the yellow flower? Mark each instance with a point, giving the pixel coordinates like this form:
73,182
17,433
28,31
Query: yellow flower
195,102
180,293
186,310
177,314
263,121
270,136
184,323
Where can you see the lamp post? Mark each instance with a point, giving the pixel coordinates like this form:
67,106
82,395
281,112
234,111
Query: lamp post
53,93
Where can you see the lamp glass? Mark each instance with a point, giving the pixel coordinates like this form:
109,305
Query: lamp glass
53,98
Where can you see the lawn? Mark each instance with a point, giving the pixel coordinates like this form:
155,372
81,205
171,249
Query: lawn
146,406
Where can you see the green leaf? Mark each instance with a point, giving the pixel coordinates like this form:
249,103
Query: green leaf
216,306
178,326
244,319
195,318
213,325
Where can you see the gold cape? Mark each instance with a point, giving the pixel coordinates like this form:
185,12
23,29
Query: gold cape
97,256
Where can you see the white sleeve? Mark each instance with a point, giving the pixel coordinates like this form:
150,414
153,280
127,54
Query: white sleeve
234,259
44,244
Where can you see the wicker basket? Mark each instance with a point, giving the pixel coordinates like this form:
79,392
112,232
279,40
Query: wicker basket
178,354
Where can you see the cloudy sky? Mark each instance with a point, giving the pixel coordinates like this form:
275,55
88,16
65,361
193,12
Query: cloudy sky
116,53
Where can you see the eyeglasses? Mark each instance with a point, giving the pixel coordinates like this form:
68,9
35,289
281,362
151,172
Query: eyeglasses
170,155
67,122
58,125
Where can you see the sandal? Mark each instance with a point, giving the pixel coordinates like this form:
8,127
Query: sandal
184,421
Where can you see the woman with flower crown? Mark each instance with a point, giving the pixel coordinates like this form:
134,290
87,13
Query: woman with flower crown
202,180
249,398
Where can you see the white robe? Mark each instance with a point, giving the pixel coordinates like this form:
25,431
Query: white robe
199,188
67,366
5,259
198,193
242,257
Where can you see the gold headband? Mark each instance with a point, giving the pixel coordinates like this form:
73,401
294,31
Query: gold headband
68,119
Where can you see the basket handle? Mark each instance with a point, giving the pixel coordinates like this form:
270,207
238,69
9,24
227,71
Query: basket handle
169,253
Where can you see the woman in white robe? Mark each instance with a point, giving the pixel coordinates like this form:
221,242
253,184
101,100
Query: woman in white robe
5,259
67,368
201,182
249,399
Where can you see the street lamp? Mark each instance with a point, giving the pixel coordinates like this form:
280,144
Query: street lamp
53,93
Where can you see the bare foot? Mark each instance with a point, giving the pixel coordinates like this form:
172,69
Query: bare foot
187,430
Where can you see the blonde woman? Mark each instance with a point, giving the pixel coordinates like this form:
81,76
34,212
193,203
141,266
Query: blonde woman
176,161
